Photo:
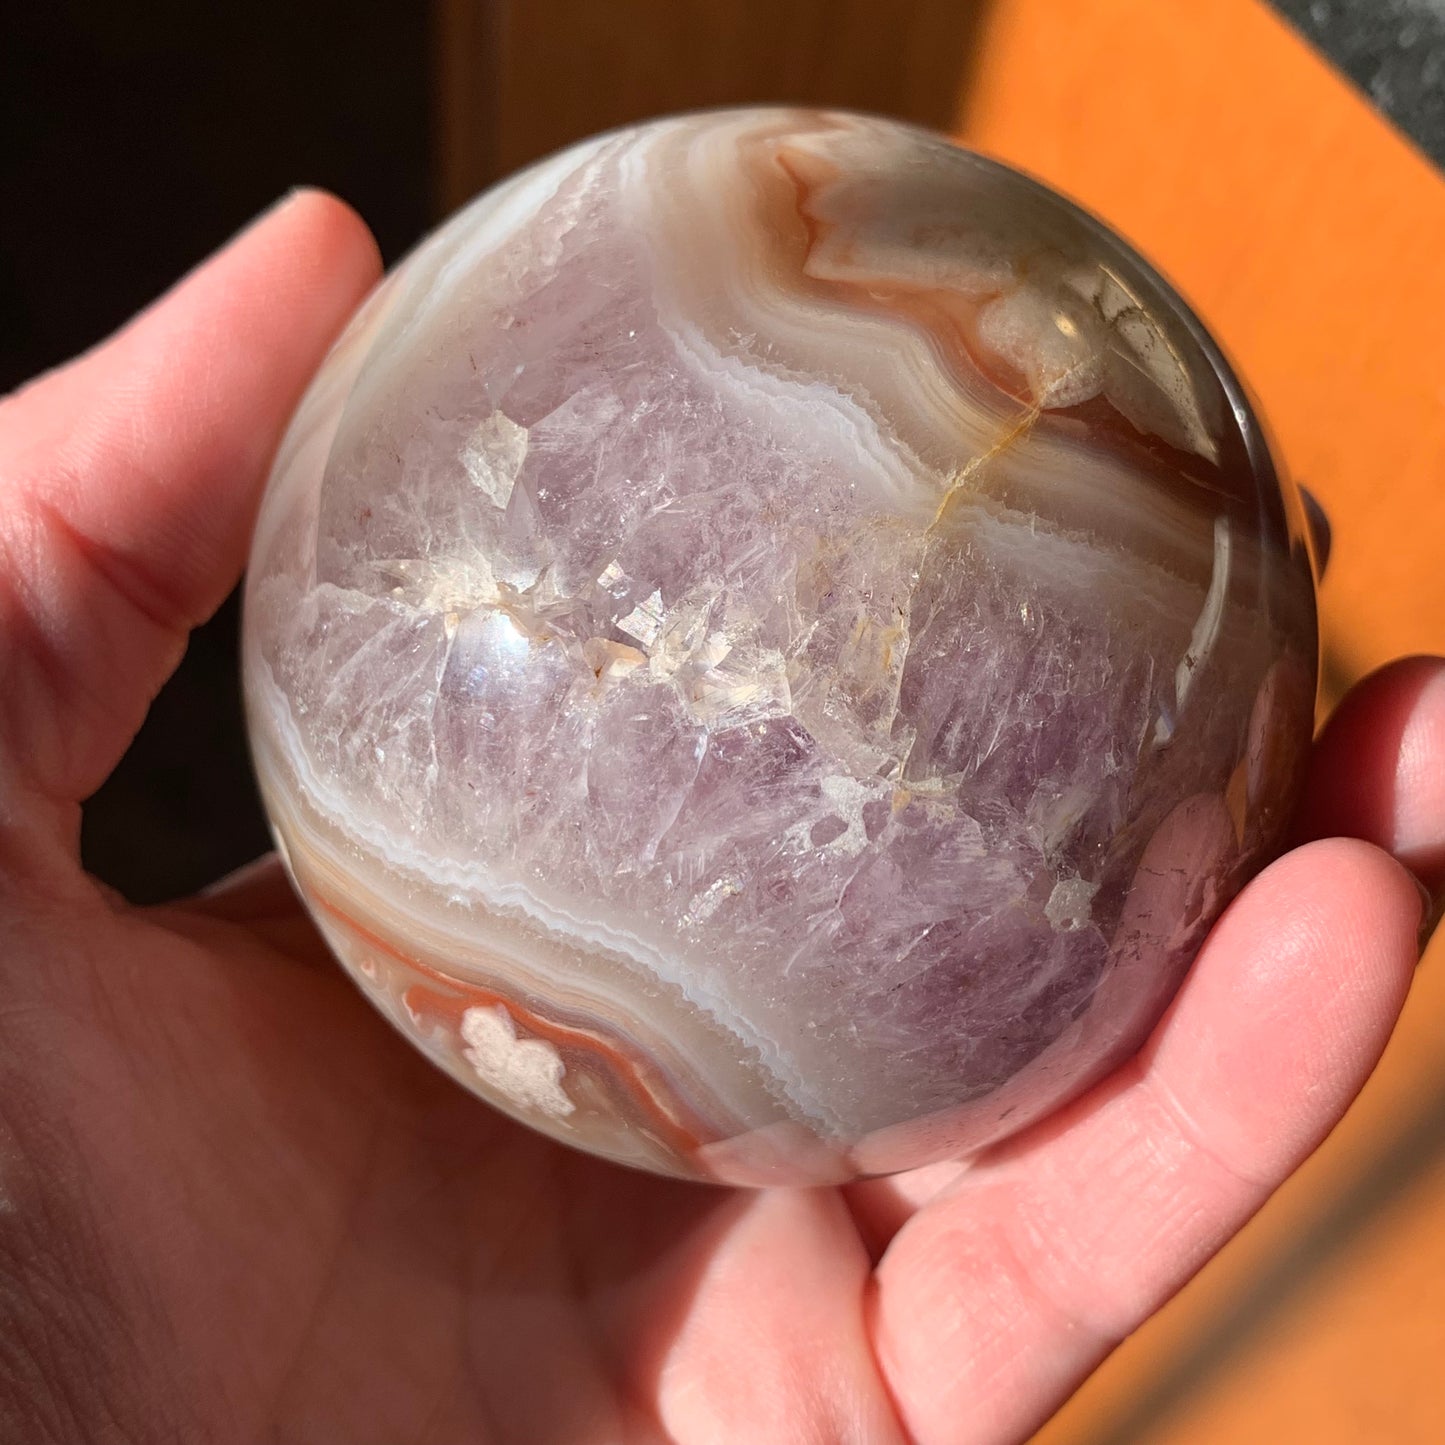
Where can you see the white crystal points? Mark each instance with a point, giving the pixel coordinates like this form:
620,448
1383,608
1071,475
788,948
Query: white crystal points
729,625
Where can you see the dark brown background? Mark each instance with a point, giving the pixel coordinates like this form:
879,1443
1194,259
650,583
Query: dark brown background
133,140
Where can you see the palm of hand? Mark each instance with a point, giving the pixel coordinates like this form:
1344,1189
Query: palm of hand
292,1224
234,1206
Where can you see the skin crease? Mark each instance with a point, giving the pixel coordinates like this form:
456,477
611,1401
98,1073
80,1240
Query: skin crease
235,1206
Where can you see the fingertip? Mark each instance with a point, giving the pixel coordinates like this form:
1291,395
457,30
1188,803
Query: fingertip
1336,906
1291,1002
1378,770
336,229
318,247
1355,900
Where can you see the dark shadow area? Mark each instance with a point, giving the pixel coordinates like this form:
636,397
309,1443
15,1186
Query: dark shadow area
136,139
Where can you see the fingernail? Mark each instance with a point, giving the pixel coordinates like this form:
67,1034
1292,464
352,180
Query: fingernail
1431,908
283,202
295,194
1320,530
1430,923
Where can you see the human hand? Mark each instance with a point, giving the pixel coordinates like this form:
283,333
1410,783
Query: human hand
235,1206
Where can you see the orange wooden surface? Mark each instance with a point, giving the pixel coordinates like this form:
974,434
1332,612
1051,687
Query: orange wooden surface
1311,238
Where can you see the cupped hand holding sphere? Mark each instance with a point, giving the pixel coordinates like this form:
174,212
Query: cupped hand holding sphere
233,1204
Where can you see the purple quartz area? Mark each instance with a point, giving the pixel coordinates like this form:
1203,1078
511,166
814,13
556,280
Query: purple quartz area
601,611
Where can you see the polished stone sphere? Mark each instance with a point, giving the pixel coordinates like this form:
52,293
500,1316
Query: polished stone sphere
768,644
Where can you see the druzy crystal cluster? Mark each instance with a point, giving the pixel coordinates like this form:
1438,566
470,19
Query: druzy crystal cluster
770,641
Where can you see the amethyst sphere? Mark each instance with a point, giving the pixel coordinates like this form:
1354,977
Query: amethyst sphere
770,641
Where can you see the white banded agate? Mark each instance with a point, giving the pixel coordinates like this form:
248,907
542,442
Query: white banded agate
769,642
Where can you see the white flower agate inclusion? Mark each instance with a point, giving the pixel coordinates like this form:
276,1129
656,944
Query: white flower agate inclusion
769,642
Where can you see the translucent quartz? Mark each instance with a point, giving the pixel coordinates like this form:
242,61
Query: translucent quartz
768,644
